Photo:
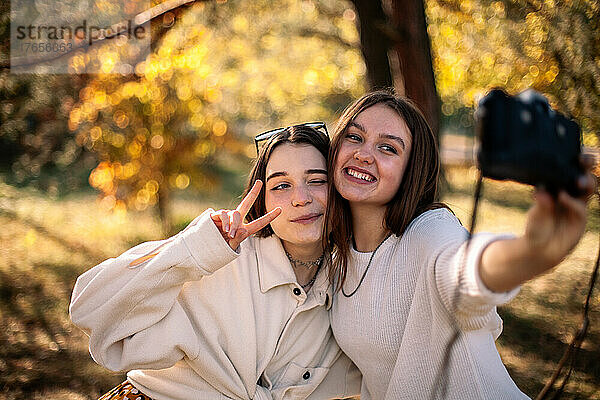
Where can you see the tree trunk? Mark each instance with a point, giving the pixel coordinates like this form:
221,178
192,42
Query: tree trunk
163,203
374,42
411,52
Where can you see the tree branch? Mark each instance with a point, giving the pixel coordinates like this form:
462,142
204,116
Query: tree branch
306,32
140,19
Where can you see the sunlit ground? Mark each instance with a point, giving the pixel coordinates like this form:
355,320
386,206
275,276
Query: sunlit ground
542,319
46,244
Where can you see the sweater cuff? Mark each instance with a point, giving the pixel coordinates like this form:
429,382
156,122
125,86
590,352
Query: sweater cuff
206,245
472,284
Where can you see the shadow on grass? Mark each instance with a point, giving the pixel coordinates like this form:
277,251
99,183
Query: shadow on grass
134,241
178,226
536,338
66,243
40,351
517,199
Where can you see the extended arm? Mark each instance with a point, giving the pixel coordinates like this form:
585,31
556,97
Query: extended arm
124,304
554,227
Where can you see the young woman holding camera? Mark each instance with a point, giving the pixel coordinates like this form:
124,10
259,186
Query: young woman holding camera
403,273
227,309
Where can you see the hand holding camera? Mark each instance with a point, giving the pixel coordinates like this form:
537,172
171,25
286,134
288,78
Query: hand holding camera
524,140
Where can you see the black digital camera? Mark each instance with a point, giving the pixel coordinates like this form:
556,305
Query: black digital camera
523,139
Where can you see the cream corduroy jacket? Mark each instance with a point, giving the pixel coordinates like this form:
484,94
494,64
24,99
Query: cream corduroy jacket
201,321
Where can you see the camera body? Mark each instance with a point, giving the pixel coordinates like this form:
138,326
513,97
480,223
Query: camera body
523,139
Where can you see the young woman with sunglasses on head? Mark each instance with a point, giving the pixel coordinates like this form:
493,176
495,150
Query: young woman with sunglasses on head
227,309
402,277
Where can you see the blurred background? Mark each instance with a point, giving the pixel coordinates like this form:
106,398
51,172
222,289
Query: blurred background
92,164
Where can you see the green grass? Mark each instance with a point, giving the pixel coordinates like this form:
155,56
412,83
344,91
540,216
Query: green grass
542,319
45,244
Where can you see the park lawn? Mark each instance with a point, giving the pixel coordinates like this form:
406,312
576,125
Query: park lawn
45,244
542,319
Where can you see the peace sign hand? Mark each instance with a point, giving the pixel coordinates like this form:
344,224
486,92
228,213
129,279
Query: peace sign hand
231,222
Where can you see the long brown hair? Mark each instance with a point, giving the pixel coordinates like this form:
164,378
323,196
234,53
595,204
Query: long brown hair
297,134
418,189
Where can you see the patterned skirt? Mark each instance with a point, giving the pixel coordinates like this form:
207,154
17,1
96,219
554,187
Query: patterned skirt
124,391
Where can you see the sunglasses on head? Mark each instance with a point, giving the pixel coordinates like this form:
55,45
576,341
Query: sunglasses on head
261,137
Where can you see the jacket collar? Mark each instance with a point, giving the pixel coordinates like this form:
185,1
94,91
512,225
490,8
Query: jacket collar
274,269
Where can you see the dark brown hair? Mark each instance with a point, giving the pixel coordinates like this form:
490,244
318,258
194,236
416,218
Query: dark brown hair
418,189
297,134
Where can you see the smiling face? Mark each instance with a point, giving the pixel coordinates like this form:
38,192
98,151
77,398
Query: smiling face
372,156
296,181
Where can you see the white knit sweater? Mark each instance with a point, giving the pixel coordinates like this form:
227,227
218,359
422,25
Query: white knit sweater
396,326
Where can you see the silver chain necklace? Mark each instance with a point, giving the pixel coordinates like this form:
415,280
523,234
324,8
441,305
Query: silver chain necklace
308,265
309,283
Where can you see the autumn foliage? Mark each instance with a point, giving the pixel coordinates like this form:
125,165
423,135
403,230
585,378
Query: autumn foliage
208,88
